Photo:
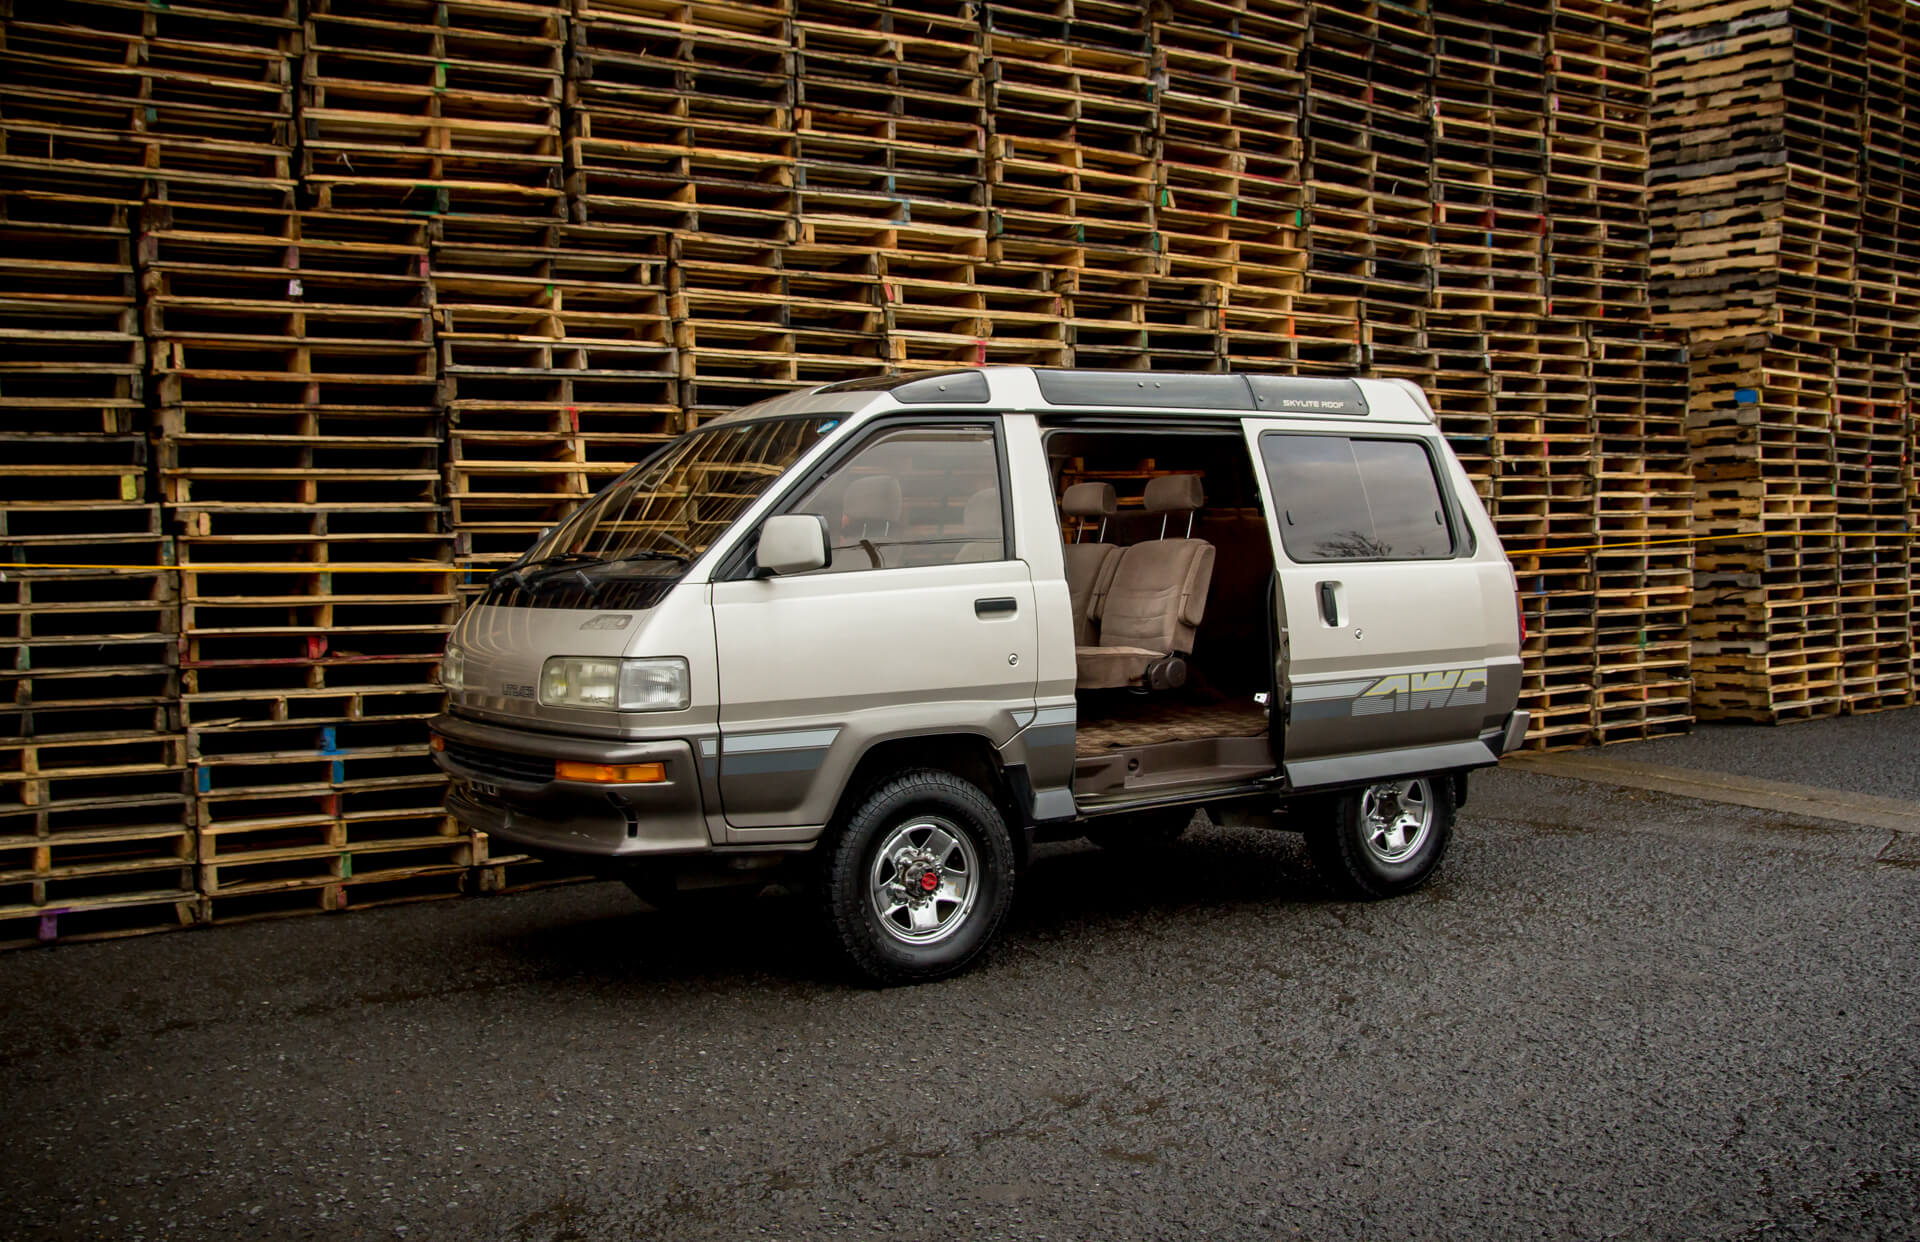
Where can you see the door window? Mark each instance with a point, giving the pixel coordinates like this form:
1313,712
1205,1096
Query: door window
913,496
1347,499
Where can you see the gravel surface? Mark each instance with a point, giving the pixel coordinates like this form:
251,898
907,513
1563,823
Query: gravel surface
1877,754
1614,1014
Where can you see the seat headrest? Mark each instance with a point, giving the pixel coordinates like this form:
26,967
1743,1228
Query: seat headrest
983,514
1089,500
872,499
1175,493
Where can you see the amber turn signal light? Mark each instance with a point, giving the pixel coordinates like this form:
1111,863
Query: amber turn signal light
437,742
612,773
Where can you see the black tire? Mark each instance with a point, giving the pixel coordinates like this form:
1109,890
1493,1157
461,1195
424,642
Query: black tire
892,816
1346,843
1144,833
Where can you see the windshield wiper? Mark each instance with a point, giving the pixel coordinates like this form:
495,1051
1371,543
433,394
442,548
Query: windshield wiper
635,558
515,574
589,573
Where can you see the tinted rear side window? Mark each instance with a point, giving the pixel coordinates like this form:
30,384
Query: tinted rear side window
1348,499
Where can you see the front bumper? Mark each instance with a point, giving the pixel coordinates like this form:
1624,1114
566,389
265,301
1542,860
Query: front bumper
503,785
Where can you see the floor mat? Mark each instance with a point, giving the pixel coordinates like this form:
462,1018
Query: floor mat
1147,721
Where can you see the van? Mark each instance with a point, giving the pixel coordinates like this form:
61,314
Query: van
881,637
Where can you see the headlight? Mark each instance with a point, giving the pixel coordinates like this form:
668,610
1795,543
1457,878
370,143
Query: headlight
616,685
655,685
453,669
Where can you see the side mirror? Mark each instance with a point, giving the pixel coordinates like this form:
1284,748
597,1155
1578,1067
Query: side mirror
792,543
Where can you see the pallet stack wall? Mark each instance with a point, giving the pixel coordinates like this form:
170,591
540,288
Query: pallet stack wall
96,830
1782,161
1598,241
104,106
359,295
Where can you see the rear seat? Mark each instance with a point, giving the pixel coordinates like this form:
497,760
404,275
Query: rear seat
1155,597
1089,565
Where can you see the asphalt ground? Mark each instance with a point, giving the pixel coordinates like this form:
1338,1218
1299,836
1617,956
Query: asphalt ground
1614,1014
1876,754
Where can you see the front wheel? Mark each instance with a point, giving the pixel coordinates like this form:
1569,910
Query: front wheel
919,879
1386,839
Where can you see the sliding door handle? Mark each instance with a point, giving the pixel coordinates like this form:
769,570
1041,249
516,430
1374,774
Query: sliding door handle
1329,603
999,606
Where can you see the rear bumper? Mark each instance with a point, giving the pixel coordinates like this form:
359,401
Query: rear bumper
1516,732
503,786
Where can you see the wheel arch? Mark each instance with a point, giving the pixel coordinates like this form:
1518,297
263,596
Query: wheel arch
970,756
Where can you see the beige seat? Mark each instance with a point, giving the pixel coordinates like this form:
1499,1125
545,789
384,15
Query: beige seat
1155,600
986,540
1089,565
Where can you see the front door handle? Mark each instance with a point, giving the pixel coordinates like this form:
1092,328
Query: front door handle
998,606
1329,603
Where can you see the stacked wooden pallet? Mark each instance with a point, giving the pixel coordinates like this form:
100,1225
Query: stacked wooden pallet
1369,170
1546,376
1072,181
105,103
409,279
1231,201
294,359
432,105
1781,173
681,119
95,825
1488,91
1873,427
556,370
1489,185
300,441
890,143
1597,240
133,100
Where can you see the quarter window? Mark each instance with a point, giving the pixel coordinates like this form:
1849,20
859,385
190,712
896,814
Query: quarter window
1349,499
911,497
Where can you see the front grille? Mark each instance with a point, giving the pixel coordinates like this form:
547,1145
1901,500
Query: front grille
485,761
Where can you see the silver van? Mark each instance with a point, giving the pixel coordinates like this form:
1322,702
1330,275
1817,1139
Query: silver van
880,637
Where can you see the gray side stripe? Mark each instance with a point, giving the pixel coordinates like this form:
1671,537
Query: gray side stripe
774,761
1042,738
799,739
1057,715
1332,690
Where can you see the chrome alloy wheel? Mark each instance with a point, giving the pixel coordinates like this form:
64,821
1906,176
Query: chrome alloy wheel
921,885
1396,818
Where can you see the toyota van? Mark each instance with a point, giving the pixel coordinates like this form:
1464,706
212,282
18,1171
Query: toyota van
876,639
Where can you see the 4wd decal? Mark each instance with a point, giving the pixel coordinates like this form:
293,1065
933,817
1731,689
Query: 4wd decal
1412,692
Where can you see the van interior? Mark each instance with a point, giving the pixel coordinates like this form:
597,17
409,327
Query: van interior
1168,562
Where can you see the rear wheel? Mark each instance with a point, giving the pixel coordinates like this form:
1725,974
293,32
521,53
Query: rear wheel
919,879
1142,833
1385,839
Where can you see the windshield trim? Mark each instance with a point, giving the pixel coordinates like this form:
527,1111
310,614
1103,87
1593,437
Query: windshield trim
697,568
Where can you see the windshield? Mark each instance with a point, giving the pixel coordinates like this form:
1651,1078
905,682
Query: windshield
679,501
